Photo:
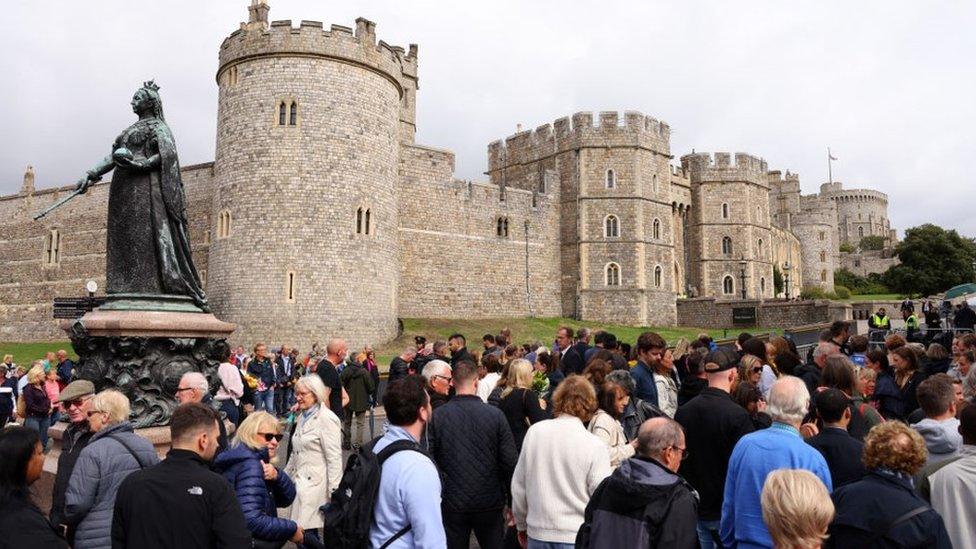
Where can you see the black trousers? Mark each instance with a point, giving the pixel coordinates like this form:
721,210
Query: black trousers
488,527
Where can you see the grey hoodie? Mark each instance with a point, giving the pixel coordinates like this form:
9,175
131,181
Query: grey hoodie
942,438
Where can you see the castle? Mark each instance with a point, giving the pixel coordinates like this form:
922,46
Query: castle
320,216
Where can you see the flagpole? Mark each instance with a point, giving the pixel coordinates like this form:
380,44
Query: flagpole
830,173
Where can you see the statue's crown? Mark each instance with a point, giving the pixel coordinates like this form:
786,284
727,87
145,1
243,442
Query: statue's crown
150,85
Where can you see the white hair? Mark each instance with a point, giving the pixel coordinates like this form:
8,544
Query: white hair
789,400
197,381
315,385
435,368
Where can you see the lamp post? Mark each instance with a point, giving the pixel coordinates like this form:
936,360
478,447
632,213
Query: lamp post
786,278
742,275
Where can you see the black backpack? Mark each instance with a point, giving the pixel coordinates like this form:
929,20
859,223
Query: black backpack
349,514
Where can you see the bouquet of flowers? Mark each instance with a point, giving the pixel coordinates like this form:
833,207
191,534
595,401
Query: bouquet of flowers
540,383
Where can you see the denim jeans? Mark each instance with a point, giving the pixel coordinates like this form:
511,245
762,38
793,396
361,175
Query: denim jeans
41,425
264,400
284,398
233,413
706,537
536,544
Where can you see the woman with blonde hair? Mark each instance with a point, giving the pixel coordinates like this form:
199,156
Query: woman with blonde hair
261,487
114,452
520,404
37,405
316,454
796,508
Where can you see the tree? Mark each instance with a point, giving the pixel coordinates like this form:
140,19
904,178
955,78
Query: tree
847,247
777,280
932,260
873,242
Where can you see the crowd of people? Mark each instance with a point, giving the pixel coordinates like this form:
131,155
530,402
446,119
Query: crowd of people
584,442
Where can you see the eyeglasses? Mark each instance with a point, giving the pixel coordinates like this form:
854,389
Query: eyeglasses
181,389
268,437
445,378
757,369
684,451
76,403
93,412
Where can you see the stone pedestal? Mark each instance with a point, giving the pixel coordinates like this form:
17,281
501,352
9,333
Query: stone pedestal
128,346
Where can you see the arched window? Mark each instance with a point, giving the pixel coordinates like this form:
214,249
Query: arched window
728,285
823,256
293,116
223,224
611,179
760,245
359,221
860,232
725,210
501,227
613,274
657,276
823,276
611,227
656,229
762,286
726,245
282,113
52,251
368,230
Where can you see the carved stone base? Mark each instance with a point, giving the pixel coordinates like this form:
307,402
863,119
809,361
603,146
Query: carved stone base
143,354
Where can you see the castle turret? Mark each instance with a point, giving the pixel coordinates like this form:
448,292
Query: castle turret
28,186
730,225
816,228
310,123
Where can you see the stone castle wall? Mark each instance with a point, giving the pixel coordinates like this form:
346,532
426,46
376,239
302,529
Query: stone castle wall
453,263
709,312
860,213
867,262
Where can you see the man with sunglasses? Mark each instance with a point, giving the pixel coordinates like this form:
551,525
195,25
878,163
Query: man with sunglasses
76,400
645,494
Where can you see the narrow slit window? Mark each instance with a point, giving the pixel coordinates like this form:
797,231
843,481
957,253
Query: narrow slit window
290,287
293,116
282,113
359,221
367,231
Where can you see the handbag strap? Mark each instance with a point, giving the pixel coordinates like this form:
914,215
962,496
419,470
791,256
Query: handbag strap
129,448
901,519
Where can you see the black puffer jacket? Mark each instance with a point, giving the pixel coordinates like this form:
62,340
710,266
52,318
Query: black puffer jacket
642,504
474,450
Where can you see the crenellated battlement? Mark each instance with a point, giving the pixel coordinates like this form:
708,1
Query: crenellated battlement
815,210
723,166
582,129
357,46
836,191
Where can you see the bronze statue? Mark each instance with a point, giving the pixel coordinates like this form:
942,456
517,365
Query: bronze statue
148,246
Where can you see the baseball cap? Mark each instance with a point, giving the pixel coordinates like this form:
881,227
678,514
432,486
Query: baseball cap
720,360
76,389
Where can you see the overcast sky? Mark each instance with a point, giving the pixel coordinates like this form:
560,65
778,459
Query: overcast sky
889,85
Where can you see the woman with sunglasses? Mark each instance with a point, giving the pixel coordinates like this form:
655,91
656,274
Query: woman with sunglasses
261,487
316,454
113,453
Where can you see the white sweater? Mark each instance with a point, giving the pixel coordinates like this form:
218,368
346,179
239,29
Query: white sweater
611,432
560,466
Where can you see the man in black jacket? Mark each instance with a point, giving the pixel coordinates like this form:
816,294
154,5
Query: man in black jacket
839,448
76,399
180,502
713,424
571,359
459,349
473,447
644,503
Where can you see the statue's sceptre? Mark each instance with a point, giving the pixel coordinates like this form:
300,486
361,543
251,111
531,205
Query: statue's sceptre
90,178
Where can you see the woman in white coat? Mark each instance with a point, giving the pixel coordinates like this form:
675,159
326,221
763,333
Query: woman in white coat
316,454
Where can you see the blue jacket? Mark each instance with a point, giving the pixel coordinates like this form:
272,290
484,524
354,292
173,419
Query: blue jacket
64,370
645,388
263,370
241,466
754,457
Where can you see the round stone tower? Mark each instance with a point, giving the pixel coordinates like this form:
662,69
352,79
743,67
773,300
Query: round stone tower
816,228
730,235
305,219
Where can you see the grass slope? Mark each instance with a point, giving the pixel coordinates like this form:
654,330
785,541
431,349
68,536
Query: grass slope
24,353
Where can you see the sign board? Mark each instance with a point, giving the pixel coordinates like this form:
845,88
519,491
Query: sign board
744,316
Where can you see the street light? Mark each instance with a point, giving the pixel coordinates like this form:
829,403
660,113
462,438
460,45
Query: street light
742,274
786,278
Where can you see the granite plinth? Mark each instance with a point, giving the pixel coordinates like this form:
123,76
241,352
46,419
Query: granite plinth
128,323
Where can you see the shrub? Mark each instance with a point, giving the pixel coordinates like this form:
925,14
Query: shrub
816,292
842,292
847,247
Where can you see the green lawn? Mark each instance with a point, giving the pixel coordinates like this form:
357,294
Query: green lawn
877,297
24,353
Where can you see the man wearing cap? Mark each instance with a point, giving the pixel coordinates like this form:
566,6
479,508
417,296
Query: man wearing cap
713,424
76,401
